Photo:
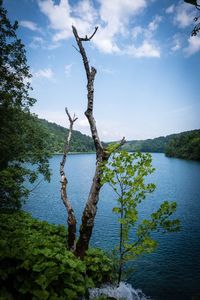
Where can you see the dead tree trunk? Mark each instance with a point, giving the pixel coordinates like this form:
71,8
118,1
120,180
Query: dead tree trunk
71,219
102,155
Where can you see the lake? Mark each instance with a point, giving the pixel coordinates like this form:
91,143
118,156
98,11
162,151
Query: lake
172,272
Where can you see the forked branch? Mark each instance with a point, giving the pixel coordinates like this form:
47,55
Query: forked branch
86,38
90,73
102,155
71,219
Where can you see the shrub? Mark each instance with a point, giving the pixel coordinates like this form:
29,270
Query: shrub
99,266
34,262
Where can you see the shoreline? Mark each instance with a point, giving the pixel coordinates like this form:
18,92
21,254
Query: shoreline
73,153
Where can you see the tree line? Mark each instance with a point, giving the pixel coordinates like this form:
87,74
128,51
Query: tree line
184,145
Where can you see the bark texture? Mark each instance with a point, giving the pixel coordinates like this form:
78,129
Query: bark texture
71,219
102,155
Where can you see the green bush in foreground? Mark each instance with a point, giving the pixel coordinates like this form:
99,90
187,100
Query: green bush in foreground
35,264
99,266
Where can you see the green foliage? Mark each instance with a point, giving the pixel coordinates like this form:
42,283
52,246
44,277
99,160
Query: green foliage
149,145
126,174
14,69
35,264
185,145
99,266
57,135
22,138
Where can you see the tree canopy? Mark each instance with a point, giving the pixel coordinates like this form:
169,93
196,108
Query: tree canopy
185,145
22,138
196,29
127,173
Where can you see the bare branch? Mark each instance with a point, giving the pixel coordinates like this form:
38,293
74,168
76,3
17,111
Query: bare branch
90,73
71,220
101,154
30,191
82,52
76,48
86,39
108,152
121,143
71,120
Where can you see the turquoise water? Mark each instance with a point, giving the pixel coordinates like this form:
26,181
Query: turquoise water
172,272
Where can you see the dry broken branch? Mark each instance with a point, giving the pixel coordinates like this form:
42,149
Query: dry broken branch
86,38
71,219
102,155
90,73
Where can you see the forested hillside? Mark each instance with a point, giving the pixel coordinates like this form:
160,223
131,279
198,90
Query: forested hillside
56,136
185,145
182,145
149,145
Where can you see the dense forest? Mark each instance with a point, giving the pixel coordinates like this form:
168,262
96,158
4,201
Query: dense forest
183,145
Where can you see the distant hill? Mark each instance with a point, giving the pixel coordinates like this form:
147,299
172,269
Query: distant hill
185,145
56,136
182,145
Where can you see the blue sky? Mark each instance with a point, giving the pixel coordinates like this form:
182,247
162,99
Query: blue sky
148,65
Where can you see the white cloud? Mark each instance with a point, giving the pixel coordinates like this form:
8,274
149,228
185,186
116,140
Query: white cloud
176,47
115,17
112,18
193,45
153,25
30,25
148,47
59,17
136,31
62,16
145,50
105,43
37,42
114,12
82,123
68,69
85,11
170,9
177,41
184,15
44,73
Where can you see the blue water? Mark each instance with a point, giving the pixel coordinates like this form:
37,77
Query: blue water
172,272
